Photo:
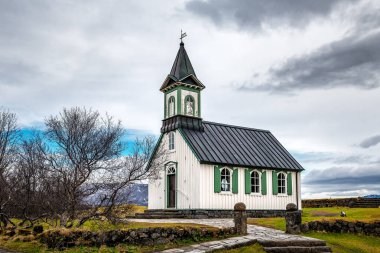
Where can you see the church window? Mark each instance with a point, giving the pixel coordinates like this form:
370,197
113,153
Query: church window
171,141
255,182
225,180
171,170
171,106
281,179
189,105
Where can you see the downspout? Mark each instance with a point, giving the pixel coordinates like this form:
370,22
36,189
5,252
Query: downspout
297,173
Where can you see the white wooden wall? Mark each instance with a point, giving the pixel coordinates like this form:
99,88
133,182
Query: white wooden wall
211,200
195,186
188,178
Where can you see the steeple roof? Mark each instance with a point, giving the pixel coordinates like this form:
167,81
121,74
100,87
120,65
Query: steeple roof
182,72
182,66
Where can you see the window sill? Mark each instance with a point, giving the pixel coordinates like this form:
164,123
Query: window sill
226,193
171,151
282,195
256,194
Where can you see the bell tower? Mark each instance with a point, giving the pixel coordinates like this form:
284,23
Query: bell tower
182,95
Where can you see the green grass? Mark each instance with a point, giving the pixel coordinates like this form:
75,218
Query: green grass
325,213
341,243
349,243
255,248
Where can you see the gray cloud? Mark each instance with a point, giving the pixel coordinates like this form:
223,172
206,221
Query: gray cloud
372,141
254,14
350,62
342,181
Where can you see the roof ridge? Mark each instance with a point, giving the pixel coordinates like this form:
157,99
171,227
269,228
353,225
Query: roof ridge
234,126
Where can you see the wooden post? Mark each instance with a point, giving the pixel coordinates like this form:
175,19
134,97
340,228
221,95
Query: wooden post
240,218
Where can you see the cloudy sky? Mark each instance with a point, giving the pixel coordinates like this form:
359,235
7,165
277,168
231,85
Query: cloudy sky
306,70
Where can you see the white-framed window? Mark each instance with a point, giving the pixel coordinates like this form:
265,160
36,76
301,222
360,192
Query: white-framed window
281,183
170,170
189,105
171,141
225,180
171,106
255,181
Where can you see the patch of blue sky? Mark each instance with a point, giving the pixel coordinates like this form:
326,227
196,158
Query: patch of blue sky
129,137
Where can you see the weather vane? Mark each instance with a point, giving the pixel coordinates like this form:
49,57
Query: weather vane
183,35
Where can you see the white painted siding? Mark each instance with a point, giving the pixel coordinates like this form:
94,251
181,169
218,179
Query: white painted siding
195,185
188,178
211,200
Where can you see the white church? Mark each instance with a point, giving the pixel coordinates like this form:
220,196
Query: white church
212,166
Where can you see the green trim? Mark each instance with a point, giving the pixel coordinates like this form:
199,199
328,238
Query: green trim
199,104
183,88
178,89
154,151
217,177
235,181
289,183
264,183
247,174
185,107
179,102
274,183
188,144
165,105
167,185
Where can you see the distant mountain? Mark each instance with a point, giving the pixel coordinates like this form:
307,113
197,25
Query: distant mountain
372,196
138,194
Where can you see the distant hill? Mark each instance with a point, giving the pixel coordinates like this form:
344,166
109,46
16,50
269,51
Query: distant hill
138,194
372,196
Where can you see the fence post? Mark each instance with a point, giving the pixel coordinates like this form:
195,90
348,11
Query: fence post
293,219
240,218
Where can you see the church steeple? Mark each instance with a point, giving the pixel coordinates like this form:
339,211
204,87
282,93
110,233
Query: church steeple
182,72
182,91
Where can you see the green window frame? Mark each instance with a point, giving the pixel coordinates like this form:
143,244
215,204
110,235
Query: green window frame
281,183
226,180
262,177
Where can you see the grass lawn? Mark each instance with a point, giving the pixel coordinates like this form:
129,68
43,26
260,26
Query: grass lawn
349,243
338,242
325,213
255,248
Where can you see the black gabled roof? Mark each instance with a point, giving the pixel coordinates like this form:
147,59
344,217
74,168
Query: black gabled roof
182,71
238,146
182,66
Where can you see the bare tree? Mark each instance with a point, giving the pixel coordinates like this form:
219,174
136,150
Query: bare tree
83,143
9,135
31,174
144,162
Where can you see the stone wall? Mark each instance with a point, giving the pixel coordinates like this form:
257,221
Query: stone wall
61,239
347,202
342,226
204,213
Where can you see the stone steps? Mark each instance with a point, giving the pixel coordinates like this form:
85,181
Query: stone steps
294,246
297,249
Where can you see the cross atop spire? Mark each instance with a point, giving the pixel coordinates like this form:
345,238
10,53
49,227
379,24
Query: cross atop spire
183,35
